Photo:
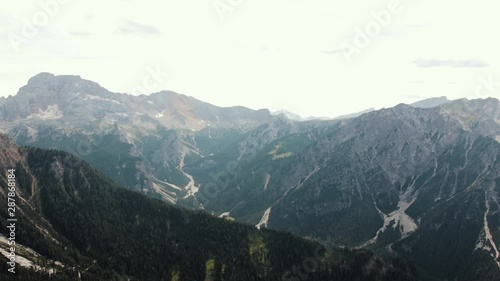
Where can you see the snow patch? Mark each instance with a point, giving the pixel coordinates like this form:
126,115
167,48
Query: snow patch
101,99
52,112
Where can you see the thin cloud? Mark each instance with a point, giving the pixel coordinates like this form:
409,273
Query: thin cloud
81,33
89,16
131,27
416,97
471,63
335,52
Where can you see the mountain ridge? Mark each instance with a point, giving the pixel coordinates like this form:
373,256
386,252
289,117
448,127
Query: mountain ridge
75,224
50,97
384,180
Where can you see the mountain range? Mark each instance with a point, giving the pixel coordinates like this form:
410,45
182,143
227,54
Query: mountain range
419,181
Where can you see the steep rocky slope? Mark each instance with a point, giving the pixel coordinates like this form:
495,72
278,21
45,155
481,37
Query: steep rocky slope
74,224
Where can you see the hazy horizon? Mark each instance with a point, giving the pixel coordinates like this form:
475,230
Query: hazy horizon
317,59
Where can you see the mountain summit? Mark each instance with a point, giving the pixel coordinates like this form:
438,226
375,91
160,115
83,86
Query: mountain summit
431,102
48,97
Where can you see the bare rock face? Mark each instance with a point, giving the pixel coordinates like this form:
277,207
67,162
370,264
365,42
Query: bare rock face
397,180
82,102
9,153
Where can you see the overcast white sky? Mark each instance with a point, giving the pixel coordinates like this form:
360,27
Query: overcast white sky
277,54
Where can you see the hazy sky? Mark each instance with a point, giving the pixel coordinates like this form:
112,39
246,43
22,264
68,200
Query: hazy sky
316,57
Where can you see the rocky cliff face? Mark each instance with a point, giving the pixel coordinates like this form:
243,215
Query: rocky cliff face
81,102
403,180
9,154
408,177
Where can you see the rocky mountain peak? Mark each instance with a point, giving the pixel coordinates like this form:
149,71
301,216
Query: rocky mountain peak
431,102
48,98
48,84
41,78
